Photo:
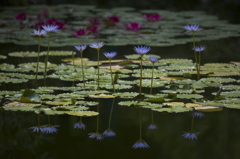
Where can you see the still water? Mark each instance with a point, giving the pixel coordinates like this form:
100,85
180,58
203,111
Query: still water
218,138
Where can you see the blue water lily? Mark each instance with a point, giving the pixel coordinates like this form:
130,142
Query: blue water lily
199,48
50,28
97,45
192,28
153,59
141,49
110,55
81,47
39,32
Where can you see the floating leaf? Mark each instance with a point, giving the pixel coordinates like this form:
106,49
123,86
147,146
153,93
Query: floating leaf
83,113
174,104
208,109
173,109
101,96
30,96
133,103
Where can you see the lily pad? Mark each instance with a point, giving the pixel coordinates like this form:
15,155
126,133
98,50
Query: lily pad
83,113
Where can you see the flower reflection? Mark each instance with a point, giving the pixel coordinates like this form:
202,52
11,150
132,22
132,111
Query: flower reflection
109,133
50,129
198,114
79,125
152,126
96,135
140,144
190,135
37,129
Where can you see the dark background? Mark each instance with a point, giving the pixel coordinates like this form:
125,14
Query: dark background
224,9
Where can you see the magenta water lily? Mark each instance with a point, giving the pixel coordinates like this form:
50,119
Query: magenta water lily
135,26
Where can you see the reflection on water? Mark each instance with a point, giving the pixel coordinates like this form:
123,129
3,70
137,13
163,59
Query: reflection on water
219,135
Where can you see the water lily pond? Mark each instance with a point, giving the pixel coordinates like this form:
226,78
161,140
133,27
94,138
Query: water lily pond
80,81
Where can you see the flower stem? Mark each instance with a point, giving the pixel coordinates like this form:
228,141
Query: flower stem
97,115
192,123
140,88
152,115
49,122
112,75
195,55
73,62
46,59
82,69
199,62
140,123
38,119
98,68
152,78
110,116
39,41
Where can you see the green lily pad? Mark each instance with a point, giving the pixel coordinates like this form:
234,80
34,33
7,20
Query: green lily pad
173,109
133,103
83,113
30,96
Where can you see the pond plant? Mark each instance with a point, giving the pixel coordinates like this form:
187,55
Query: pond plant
153,60
38,33
49,29
79,124
81,49
140,143
98,46
141,50
110,55
194,28
192,135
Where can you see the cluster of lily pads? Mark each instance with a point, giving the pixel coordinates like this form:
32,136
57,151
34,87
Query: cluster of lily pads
116,26
140,80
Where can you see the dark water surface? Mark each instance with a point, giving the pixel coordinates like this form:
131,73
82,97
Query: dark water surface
219,137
